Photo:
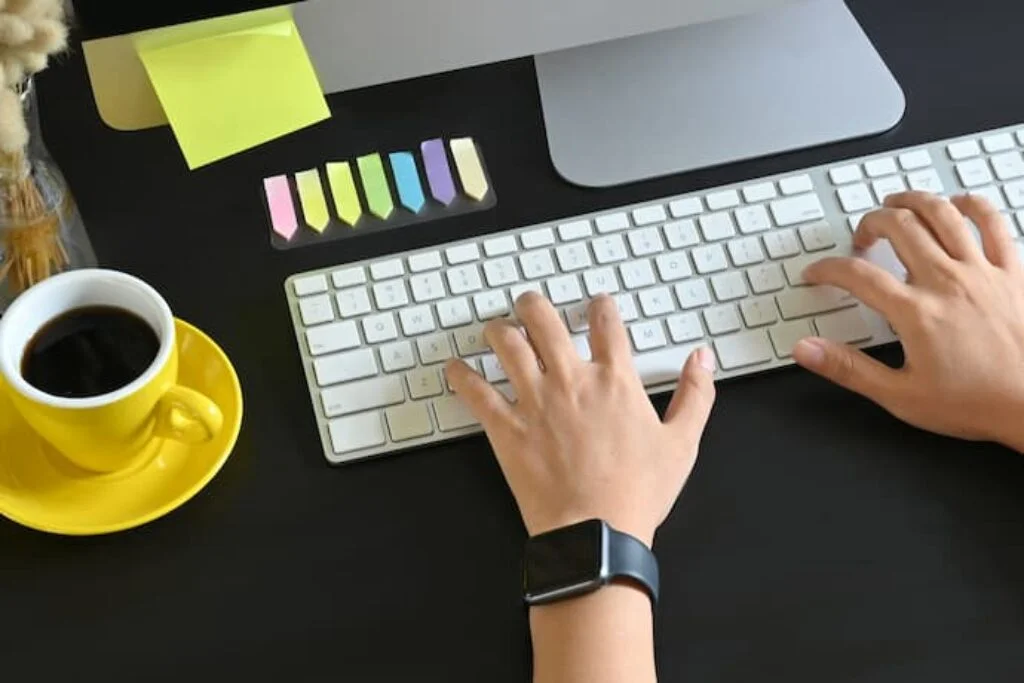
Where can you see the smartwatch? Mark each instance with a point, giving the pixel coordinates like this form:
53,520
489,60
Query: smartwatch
579,559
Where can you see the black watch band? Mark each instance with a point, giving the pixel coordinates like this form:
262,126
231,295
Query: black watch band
630,559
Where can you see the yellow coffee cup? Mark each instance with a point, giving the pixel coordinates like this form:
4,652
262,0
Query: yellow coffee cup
112,431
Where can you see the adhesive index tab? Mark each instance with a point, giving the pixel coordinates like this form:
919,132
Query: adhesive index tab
471,172
439,174
343,187
311,196
407,179
375,184
282,208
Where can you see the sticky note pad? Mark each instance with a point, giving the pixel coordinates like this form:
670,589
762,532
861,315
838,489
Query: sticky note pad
343,187
231,83
311,196
439,174
282,209
375,185
474,182
407,180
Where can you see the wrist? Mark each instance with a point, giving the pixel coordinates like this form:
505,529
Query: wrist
643,532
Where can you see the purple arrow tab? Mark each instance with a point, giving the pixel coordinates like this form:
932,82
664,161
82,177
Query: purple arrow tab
439,174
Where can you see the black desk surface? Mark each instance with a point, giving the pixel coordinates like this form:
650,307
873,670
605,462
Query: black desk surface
818,539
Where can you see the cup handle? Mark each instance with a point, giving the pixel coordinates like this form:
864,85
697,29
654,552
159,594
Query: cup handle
188,416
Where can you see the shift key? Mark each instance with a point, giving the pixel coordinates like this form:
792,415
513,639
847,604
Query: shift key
359,396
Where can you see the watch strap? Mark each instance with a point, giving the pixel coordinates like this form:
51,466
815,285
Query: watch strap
629,558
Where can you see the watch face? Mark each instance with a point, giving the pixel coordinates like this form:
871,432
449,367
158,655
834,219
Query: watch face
563,558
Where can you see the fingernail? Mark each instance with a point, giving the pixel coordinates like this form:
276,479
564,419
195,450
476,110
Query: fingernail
809,352
706,358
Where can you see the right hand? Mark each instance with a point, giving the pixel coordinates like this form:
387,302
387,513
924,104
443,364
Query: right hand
959,316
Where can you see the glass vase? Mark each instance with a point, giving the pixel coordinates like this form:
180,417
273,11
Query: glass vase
41,230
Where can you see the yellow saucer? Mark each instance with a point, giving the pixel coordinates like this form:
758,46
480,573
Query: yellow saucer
42,490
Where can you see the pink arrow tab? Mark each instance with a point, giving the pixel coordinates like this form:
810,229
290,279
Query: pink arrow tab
282,208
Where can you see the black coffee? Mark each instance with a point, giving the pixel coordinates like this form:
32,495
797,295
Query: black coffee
89,351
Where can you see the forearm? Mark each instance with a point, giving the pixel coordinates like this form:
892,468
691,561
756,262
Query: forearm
604,637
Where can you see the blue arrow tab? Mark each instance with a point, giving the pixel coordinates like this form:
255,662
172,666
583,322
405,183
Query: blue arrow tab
407,180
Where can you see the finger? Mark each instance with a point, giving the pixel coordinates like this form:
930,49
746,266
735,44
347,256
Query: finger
877,288
694,397
944,220
514,352
914,244
609,341
488,406
547,332
849,368
995,234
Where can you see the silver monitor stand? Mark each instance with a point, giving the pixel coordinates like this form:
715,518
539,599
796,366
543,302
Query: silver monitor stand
797,76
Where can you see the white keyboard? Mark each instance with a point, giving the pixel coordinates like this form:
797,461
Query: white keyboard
721,268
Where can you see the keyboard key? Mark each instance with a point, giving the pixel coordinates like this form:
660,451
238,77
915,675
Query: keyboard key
993,195
409,421
470,340
463,253
576,318
729,286
722,319
452,415
742,350
385,270
420,263
753,219
333,337
397,356
490,305
817,237
795,267
463,279
843,175
1014,193
499,246
681,234
311,284
416,320
356,432
650,214
684,327
911,161
963,150
379,328
926,181
709,259
1008,166
536,264
454,312
613,222
573,257
316,309
684,208
800,209
655,302
564,289
693,294
785,336
637,274
759,312
434,349
796,185
672,267
726,199
804,301
353,301
345,367
1020,138
500,272
348,277
576,230
664,366
974,173
998,143
491,369
427,287
390,294
855,198
356,397
845,327
876,168
761,192
766,278
888,186
717,226
648,335
600,281
645,241
610,249
746,251
781,244
516,291
424,382
627,307
542,237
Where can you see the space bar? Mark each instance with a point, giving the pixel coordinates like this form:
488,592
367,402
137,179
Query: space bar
661,367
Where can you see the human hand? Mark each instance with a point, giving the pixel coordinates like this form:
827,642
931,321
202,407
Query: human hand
582,440
959,316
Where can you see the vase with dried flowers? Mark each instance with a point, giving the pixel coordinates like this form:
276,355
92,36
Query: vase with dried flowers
41,230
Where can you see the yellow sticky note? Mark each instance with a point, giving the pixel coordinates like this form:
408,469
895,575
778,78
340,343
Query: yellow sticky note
231,83
311,196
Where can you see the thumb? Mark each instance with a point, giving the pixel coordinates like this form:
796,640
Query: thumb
849,368
691,404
